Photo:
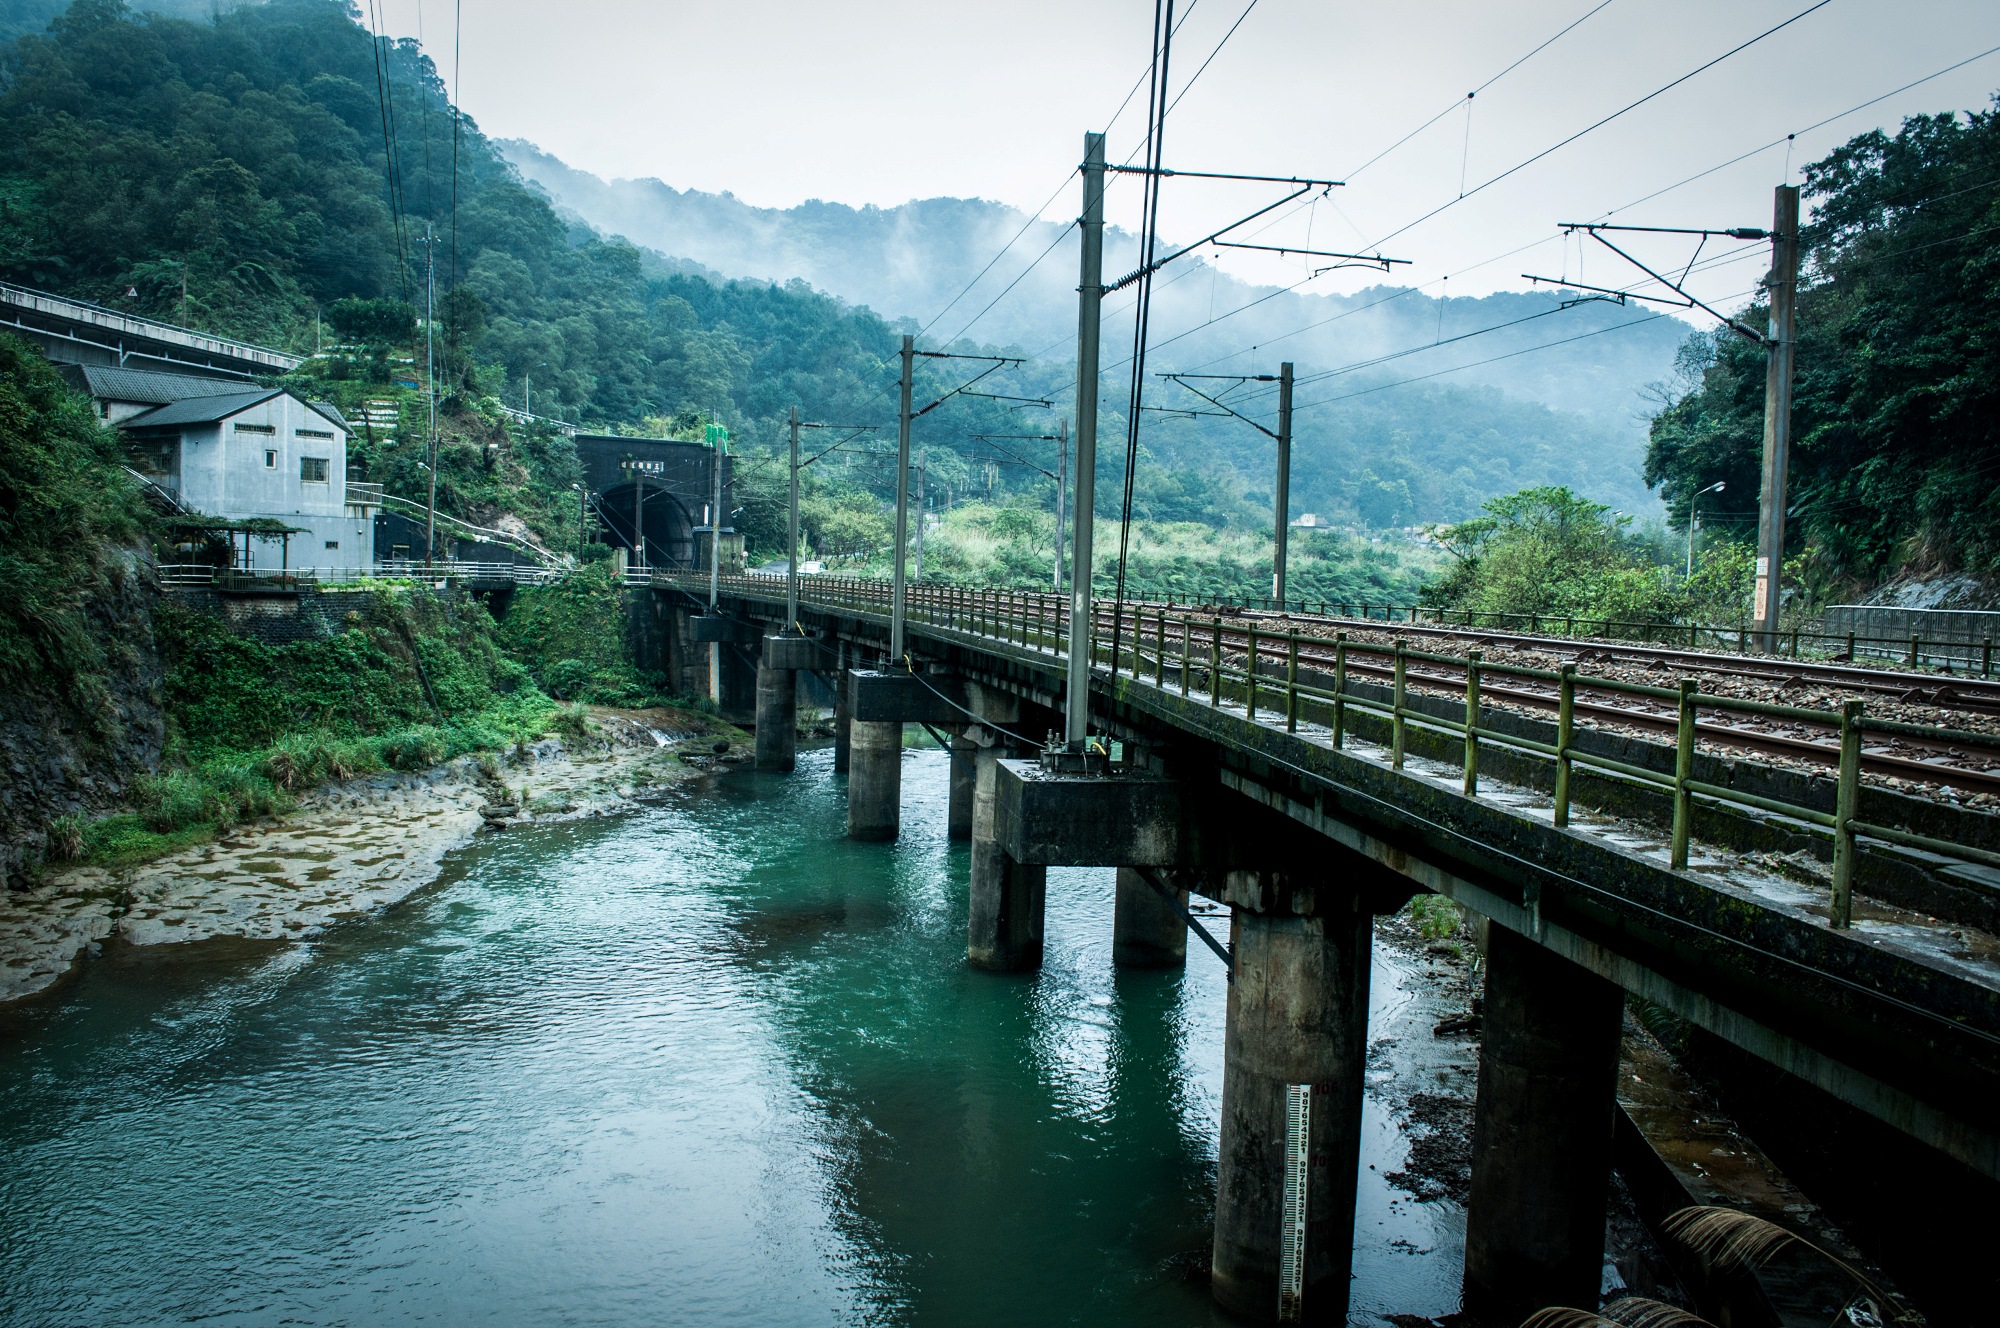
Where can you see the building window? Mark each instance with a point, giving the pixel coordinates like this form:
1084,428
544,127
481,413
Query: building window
333,544
325,434
312,470
255,428
270,458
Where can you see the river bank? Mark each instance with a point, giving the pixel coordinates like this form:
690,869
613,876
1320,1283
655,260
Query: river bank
349,848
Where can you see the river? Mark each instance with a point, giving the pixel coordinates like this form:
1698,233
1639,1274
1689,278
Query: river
704,1063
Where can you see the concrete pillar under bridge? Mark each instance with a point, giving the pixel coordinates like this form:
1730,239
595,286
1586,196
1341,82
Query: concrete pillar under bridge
1542,1131
778,699
842,715
730,676
879,703
1297,1040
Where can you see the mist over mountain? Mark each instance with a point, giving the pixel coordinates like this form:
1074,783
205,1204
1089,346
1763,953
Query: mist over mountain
914,260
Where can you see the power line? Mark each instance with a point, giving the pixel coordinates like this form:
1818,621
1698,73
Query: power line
1599,124
1476,91
1061,235
1818,124
1002,254
457,124
389,153
1185,87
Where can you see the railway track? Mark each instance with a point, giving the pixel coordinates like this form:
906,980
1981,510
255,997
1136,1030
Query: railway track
1963,760
1947,691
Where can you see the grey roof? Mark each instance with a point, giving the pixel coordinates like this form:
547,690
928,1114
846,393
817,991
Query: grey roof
210,410
109,383
203,410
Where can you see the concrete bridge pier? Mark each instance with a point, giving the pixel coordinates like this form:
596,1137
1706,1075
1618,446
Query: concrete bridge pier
965,747
875,779
1542,1131
879,703
1003,930
777,721
842,714
1147,931
1293,1059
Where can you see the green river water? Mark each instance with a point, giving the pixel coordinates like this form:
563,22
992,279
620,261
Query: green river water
705,1063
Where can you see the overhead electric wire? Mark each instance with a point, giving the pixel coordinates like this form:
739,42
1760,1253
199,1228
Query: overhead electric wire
389,153
1603,215
1002,254
1599,124
457,123
1818,124
1156,132
1065,184
1459,368
1061,235
1476,91
1185,87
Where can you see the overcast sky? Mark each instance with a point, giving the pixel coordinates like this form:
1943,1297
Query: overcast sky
882,101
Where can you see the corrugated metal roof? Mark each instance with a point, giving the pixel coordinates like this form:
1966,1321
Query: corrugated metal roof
109,383
202,410
332,412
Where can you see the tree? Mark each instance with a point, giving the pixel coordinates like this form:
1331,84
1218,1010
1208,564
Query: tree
374,322
1896,413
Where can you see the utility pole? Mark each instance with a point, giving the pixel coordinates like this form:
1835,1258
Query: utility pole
430,374
1283,496
1062,482
1089,299
1693,499
902,503
1784,285
638,513
582,510
792,567
917,572
718,438
1779,342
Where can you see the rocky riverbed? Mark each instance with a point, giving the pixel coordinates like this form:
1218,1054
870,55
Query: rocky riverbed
350,848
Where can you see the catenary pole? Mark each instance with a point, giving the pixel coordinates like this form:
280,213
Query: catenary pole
1784,286
917,540
1089,299
902,502
430,372
1282,496
716,435
792,569
1062,482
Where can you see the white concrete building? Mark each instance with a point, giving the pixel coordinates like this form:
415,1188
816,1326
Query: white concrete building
261,452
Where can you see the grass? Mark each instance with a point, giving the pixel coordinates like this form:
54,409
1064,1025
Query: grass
1435,917
211,797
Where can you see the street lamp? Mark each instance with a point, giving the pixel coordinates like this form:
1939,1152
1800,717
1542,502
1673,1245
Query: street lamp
1713,488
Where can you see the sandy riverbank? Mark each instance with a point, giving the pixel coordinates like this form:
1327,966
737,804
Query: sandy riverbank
349,848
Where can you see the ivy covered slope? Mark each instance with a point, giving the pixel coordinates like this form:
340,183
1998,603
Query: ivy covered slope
409,680
1896,417
79,685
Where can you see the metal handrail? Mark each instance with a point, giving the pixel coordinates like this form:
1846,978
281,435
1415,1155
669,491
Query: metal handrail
1232,674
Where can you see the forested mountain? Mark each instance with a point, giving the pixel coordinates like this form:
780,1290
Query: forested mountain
1896,417
235,173
246,172
914,258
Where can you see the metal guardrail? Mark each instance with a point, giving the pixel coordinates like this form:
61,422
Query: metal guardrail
1242,673
305,578
1915,650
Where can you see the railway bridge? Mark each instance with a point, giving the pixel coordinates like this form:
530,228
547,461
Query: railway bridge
1612,832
